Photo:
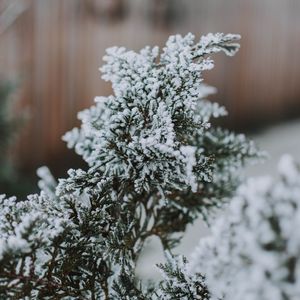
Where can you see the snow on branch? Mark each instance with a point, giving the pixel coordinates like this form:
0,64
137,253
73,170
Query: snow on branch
155,164
253,252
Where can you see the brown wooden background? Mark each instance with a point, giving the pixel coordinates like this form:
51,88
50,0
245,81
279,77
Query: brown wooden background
54,48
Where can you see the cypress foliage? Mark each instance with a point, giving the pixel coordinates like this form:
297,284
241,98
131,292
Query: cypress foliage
254,249
155,163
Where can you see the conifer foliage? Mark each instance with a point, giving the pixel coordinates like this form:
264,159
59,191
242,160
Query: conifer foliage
178,283
155,163
254,250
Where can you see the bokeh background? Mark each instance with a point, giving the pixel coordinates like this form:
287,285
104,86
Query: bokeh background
50,51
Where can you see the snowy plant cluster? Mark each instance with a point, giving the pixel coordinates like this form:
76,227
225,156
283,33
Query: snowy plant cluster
155,163
154,133
178,283
254,250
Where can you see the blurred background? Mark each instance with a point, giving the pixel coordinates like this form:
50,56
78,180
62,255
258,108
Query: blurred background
50,52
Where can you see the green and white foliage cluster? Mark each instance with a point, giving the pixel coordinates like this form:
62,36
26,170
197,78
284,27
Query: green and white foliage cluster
178,283
254,250
155,163
154,133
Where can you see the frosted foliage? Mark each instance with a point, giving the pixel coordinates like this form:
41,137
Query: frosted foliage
155,163
141,134
179,284
39,240
26,226
254,250
47,182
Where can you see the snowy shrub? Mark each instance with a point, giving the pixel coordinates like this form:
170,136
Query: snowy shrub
155,163
254,250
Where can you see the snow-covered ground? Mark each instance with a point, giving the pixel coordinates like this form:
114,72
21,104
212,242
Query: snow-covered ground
277,140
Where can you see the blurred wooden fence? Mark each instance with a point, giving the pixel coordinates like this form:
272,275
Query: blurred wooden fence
54,49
